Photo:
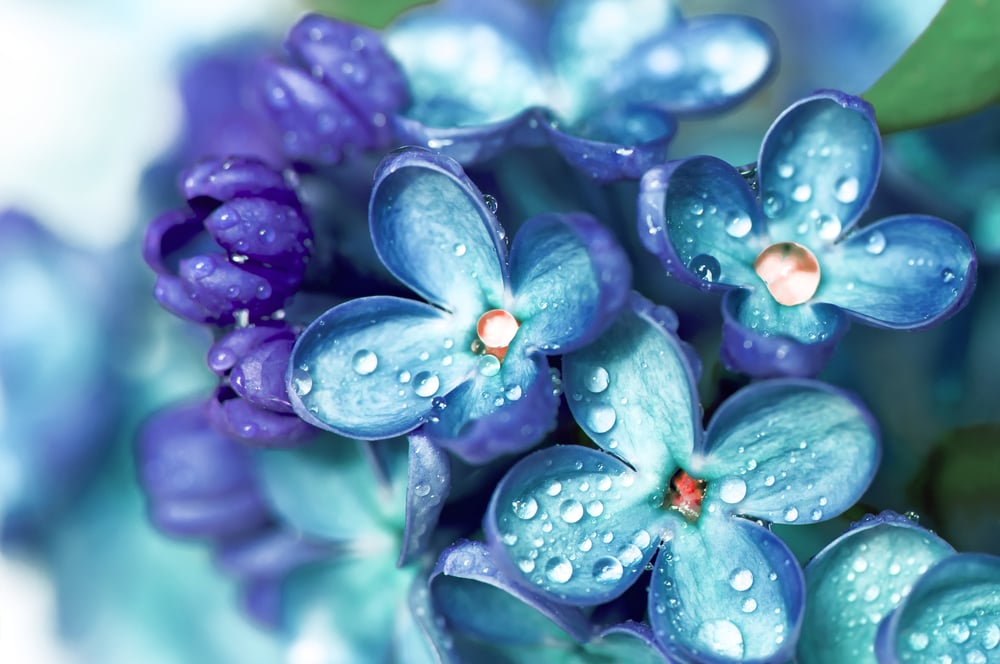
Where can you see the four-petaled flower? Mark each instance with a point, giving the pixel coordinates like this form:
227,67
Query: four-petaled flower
795,269
581,524
601,81
470,366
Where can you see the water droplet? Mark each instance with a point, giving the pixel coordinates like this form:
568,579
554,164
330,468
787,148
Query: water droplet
559,569
600,419
554,489
705,267
459,249
595,508
697,208
733,490
769,480
958,632
364,362
630,554
571,510
422,489
527,565
491,203
860,565
749,605
791,514
489,365
741,579
426,384
513,393
404,376
847,189
947,275
641,539
816,515
773,203
802,193
872,593
739,225
526,509
721,637
598,380
975,657
586,545
302,381
603,483
918,641
510,539
608,569
876,243
786,170
828,227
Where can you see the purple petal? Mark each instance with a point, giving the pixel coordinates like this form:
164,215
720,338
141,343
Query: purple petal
428,483
726,590
174,295
235,345
261,599
271,554
434,232
904,272
259,377
223,287
258,427
221,180
570,279
818,166
167,233
262,230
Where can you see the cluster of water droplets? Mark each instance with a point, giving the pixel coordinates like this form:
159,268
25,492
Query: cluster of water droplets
969,640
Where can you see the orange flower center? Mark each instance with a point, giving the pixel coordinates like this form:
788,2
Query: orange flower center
496,329
790,271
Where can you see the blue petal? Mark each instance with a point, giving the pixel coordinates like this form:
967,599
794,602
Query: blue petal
577,524
492,416
707,63
818,167
724,590
903,272
478,599
433,230
370,368
326,489
633,392
763,338
270,554
700,218
479,143
428,484
421,636
570,279
952,614
627,642
857,580
591,39
788,451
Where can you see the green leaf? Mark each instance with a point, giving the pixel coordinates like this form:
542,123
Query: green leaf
373,13
949,71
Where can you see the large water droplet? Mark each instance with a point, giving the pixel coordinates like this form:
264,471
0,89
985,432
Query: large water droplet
732,490
426,384
608,569
598,380
876,243
527,565
918,641
302,381
559,569
991,637
630,554
526,509
828,227
847,189
791,514
741,579
364,362
595,508
739,225
749,605
489,365
721,637
600,419
554,489
571,510
802,193
641,539
958,632
705,267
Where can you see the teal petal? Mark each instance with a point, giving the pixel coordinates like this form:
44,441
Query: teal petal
818,167
633,392
628,642
788,451
420,636
577,524
428,483
808,323
857,580
570,278
432,229
726,590
902,272
328,489
951,615
372,367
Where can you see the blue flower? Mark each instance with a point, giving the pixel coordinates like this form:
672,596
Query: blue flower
795,270
581,524
470,366
599,79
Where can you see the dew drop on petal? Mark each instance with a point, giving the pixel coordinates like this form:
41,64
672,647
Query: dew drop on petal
791,514
630,554
847,189
559,569
958,632
595,508
364,362
741,579
527,565
600,419
828,227
459,249
706,267
554,489
604,483
876,243
598,380
489,365
769,480
802,193
773,205
302,382
732,490
739,225
426,384
571,510
749,605
697,208
786,170
608,569
947,276
721,637
491,203
526,509
918,641
422,489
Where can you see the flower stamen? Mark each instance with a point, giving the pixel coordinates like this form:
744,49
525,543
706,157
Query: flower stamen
496,329
685,495
790,271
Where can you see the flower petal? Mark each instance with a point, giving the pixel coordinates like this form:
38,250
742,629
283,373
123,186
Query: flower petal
433,231
633,392
428,483
627,642
788,451
259,377
726,590
858,579
214,181
952,614
475,597
421,636
369,368
903,272
576,523
818,167
269,554
258,427
570,279
272,233
700,218
763,338
476,144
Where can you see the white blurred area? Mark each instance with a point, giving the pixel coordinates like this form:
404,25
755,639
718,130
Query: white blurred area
87,99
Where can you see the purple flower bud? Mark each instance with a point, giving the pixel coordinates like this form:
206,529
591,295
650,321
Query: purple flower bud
260,375
254,425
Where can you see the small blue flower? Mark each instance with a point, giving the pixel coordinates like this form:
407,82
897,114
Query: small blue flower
470,366
581,524
600,79
795,270
858,579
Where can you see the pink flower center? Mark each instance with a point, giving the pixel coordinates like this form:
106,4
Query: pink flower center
790,271
685,495
496,329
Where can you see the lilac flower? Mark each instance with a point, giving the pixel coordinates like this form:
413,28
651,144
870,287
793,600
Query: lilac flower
261,244
580,524
794,269
599,79
470,366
